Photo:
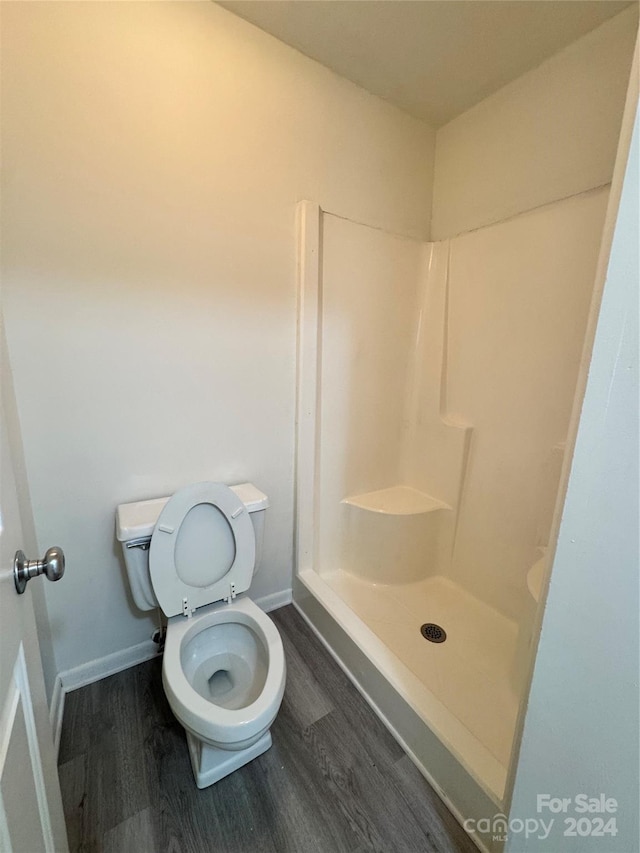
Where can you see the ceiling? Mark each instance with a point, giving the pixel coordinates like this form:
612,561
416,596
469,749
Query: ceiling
432,58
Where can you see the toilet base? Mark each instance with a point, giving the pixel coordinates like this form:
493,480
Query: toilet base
211,764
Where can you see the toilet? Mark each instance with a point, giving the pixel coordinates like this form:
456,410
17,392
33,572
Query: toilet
223,671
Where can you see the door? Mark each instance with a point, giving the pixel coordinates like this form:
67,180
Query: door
31,817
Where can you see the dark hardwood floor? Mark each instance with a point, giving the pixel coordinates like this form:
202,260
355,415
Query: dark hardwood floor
334,780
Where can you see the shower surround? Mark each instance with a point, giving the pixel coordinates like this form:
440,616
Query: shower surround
435,387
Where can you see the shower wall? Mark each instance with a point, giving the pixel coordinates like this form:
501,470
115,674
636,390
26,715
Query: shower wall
519,297
368,296
447,372
435,384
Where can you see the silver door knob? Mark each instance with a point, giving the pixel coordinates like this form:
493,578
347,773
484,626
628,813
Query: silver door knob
52,565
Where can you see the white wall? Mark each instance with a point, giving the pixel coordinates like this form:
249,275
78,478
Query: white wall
153,157
549,134
582,725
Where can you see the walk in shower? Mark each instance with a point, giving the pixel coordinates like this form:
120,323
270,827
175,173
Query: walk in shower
436,382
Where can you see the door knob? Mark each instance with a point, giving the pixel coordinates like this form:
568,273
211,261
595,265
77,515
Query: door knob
52,565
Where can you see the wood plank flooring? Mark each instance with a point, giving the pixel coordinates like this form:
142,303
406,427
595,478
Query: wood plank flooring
334,780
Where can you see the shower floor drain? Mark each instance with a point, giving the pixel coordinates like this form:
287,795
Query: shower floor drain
434,633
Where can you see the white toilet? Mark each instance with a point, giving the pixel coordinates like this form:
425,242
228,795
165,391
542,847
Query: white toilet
194,555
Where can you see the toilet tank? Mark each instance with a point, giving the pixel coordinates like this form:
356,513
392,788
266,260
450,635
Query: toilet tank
135,523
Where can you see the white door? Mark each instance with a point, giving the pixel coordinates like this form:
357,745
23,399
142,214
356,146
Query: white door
31,817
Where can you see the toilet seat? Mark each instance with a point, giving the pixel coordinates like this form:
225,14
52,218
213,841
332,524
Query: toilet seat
191,573
208,721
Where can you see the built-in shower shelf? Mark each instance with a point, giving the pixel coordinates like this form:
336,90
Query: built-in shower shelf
396,500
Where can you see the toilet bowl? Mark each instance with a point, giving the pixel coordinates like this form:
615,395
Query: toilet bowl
223,674
223,669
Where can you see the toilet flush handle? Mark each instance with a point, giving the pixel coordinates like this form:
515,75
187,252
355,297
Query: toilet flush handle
51,565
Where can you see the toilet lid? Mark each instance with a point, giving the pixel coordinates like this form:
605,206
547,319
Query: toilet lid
202,543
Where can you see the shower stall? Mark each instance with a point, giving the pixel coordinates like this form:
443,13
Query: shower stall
436,382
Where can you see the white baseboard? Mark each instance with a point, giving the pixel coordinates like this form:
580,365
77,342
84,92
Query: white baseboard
275,600
87,673
96,670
